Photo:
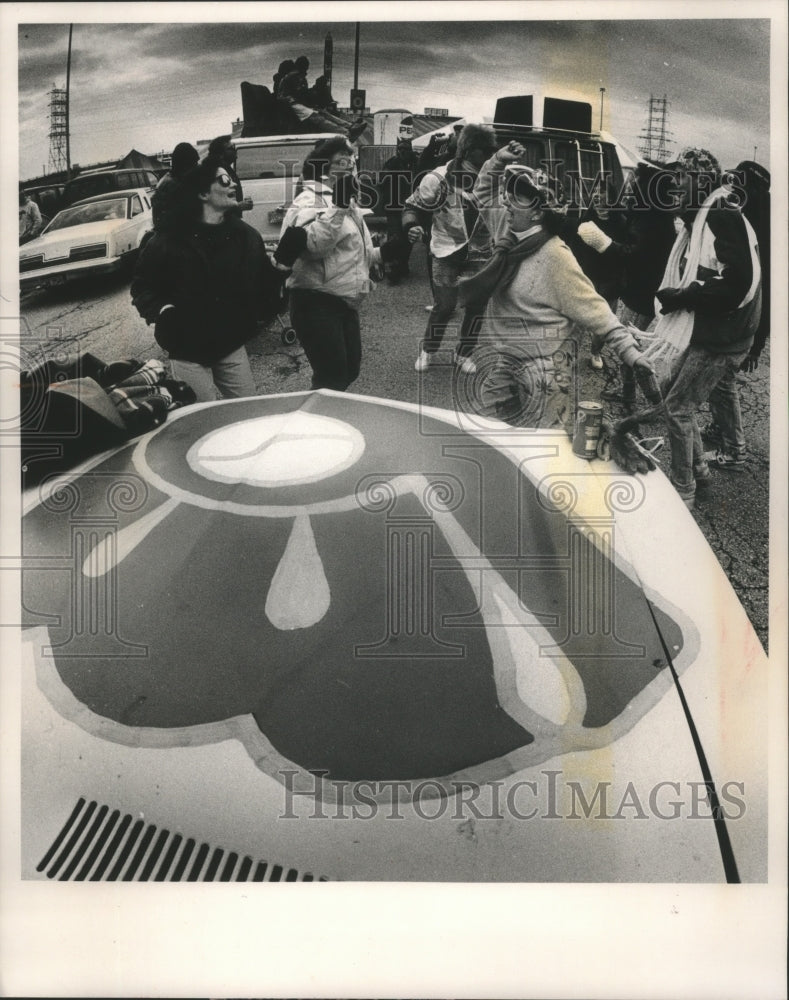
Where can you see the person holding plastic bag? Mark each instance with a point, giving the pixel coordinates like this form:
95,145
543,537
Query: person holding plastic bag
709,305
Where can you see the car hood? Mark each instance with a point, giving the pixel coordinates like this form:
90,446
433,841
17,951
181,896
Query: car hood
62,239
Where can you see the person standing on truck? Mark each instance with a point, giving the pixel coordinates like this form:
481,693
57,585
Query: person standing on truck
205,285
331,273
443,202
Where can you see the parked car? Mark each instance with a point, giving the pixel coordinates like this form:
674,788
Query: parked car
104,181
97,235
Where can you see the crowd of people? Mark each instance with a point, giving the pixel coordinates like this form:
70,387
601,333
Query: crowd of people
671,278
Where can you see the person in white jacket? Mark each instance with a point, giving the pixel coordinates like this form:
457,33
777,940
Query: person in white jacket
331,274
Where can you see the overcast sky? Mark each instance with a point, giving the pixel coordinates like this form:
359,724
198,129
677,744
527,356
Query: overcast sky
150,85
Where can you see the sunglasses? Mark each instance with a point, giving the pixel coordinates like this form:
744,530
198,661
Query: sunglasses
224,180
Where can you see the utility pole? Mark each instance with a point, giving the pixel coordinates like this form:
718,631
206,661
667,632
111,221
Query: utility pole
68,88
602,94
356,60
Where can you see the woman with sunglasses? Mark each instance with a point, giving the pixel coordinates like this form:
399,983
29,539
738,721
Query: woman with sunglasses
205,284
538,301
331,273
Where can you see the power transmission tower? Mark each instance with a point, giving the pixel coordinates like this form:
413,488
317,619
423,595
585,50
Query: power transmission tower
655,138
58,130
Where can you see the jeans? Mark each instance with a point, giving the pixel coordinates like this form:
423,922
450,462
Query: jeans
231,375
629,317
328,330
526,389
703,376
447,271
727,416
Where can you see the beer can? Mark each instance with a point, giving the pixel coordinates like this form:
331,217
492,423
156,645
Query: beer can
588,423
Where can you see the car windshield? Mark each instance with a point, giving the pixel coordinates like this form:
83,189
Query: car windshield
97,211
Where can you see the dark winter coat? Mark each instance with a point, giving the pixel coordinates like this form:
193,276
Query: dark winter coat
720,324
220,281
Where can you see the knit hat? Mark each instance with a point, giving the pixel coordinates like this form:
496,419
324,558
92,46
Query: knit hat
697,160
476,137
525,185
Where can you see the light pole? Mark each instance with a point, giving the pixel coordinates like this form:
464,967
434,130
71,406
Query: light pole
602,93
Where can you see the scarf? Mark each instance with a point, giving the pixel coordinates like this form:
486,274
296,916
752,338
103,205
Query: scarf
671,336
499,272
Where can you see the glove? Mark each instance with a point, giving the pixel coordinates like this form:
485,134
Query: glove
672,299
291,244
750,362
647,380
594,237
167,329
626,451
344,190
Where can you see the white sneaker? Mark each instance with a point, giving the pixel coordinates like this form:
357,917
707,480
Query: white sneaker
596,361
423,361
465,363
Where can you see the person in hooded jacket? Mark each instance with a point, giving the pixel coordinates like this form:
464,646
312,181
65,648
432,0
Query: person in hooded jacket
205,284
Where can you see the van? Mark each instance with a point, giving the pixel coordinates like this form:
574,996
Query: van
105,182
269,168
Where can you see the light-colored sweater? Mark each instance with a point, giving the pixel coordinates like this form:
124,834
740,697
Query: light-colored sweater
551,300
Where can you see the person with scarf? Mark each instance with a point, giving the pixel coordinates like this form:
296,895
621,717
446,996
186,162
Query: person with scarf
443,204
710,305
538,302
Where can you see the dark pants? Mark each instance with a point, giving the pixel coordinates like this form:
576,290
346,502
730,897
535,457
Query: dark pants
394,233
447,271
328,330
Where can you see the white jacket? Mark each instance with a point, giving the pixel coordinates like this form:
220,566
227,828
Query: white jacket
339,250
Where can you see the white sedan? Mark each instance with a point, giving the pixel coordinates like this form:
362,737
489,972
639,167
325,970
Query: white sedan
96,235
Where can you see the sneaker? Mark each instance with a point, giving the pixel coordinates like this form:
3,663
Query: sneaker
465,363
722,460
422,362
596,361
